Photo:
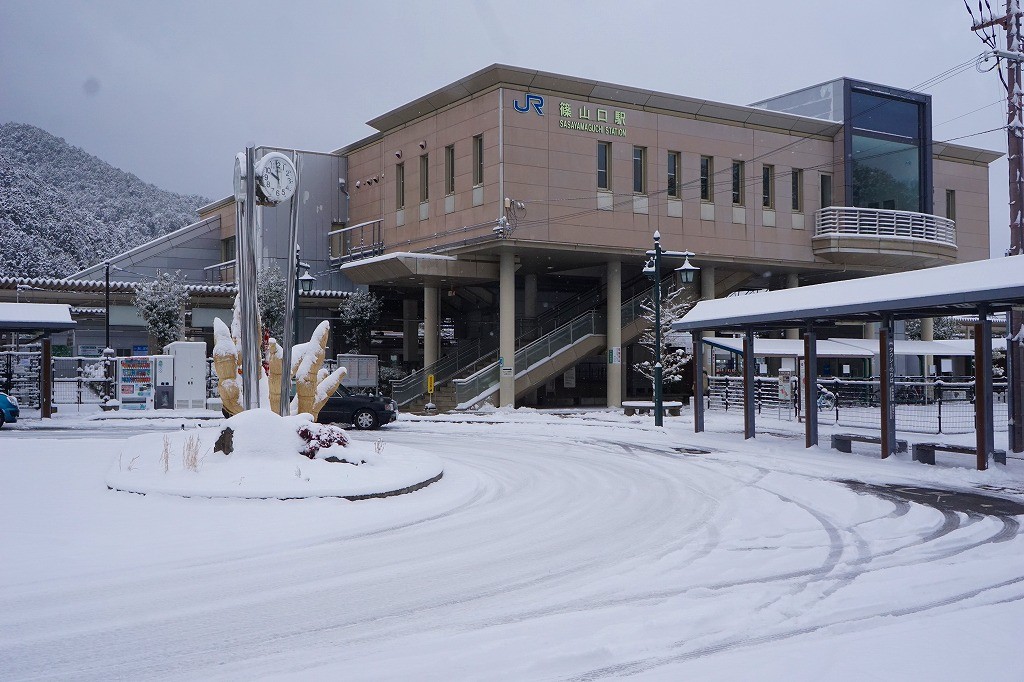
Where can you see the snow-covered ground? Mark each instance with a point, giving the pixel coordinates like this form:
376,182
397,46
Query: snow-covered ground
574,546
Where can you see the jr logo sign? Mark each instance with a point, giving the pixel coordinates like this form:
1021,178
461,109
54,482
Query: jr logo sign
534,101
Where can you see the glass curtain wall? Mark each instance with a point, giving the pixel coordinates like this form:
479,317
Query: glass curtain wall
886,165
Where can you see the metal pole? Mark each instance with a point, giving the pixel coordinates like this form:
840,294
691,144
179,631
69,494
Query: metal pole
698,380
984,431
249,315
888,378
106,298
291,297
810,387
748,384
658,406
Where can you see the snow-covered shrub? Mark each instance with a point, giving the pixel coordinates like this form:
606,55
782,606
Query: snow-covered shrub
320,437
358,313
270,293
161,303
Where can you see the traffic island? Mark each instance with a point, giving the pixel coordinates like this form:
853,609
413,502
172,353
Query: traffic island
260,455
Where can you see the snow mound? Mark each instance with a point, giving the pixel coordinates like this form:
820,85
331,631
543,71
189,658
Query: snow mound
265,463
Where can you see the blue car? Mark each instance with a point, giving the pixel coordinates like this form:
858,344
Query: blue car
8,409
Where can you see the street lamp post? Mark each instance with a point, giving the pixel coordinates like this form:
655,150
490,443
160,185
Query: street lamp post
304,283
652,269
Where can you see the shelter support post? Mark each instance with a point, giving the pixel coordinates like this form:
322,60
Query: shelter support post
46,379
810,387
1015,376
748,383
887,360
983,388
698,381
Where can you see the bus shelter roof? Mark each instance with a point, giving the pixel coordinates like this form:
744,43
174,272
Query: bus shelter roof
996,284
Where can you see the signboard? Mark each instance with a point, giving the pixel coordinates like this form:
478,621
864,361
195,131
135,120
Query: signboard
569,378
506,371
430,383
785,387
615,355
140,350
89,351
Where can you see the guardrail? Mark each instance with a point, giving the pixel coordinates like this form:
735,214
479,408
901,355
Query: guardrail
877,222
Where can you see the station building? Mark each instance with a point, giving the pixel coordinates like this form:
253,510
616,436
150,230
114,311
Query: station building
506,216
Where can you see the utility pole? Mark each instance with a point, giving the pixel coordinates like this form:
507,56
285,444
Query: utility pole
1011,23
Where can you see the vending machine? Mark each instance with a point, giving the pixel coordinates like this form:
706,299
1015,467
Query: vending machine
134,382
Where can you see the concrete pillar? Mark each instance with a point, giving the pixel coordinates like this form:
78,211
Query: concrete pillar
410,326
507,329
707,293
430,327
927,334
530,296
792,282
614,360
871,332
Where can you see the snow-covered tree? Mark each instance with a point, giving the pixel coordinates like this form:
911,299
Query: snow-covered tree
944,328
358,313
270,292
674,304
161,303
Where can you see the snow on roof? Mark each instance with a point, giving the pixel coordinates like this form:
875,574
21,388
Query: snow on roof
399,255
35,316
790,348
986,281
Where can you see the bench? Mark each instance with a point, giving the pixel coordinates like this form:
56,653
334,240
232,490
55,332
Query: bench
843,441
925,452
672,408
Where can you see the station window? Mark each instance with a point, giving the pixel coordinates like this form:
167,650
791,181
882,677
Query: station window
424,178
737,183
449,169
951,204
826,190
798,190
639,170
399,187
707,175
478,160
604,165
768,186
673,175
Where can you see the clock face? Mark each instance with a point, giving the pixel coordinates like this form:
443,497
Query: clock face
276,177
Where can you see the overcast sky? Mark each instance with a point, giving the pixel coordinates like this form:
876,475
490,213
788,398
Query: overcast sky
171,90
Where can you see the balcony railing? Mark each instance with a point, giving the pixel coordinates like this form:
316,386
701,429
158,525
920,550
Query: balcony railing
358,241
221,273
875,222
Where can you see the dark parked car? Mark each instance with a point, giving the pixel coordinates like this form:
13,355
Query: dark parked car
361,410
9,411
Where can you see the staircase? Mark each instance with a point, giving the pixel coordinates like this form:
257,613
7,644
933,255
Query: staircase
471,374
553,353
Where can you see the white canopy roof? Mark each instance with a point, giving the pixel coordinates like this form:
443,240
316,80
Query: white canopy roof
946,290
790,348
850,348
35,316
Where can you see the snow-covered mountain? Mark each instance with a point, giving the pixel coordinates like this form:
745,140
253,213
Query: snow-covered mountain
62,209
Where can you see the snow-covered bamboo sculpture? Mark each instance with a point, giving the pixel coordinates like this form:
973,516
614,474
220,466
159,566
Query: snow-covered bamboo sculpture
313,383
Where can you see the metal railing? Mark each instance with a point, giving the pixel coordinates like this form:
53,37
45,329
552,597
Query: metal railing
876,222
220,273
932,406
465,354
358,241
474,387
480,384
